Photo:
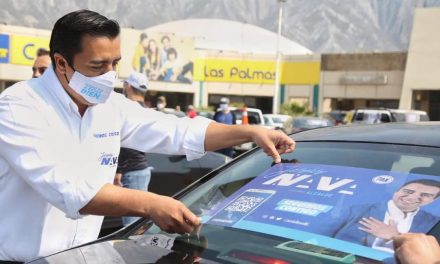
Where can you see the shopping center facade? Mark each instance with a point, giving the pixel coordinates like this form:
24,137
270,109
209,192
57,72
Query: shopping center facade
209,70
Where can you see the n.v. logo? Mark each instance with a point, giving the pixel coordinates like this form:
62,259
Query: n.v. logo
108,159
319,183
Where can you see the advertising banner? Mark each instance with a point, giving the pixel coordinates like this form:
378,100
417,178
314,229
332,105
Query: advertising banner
24,48
354,210
161,57
260,72
4,48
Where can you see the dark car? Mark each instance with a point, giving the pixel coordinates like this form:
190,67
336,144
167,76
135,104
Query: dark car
296,124
317,206
170,174
337,115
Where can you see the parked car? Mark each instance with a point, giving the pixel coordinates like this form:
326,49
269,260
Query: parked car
383,115
256,212
337,115
275,121
255,117
296,124
170,174
207,114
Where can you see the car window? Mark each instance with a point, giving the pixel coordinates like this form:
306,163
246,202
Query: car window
279,120
253,117
391,164
266,120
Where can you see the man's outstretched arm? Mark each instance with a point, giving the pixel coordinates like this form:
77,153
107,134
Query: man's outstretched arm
273,142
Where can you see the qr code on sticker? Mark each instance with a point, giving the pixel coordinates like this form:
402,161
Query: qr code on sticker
244,204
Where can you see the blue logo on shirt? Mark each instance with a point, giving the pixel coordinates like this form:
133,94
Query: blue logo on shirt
108,159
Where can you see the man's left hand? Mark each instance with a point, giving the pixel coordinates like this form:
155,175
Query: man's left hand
378,228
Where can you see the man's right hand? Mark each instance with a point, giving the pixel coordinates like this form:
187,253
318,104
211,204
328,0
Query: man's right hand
171,215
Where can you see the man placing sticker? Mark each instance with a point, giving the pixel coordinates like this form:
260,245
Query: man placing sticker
60,139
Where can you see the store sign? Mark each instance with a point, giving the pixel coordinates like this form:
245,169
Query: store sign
380,79
261,72
24,49
4,48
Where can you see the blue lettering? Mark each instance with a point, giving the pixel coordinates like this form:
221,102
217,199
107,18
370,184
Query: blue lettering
91,91
113,134
106,160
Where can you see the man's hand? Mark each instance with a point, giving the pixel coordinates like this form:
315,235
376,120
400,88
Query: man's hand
273,142
378,228
167,213
416,248
171,215
117,181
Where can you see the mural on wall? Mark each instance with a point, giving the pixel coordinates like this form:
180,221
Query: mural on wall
164,57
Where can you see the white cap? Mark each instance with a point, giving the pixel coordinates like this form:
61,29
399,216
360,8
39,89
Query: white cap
138,81
224,100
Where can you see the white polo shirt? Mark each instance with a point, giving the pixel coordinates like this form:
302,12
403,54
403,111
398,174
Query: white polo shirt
53,161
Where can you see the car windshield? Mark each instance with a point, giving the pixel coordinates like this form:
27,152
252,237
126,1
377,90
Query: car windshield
303,208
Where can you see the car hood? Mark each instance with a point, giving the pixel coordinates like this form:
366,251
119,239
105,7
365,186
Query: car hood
116,251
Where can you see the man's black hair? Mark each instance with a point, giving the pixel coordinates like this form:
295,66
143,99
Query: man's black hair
42,52
427,182
68,32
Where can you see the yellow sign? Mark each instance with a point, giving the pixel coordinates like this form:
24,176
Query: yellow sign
262,72
24,49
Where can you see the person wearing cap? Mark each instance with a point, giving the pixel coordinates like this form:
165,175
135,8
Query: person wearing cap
225,116
133,171
60,140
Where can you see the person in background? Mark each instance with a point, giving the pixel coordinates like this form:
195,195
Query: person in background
41,63
166,44
191,111
415,248
153,56
140,59
225,116
170,69
133,171
161,103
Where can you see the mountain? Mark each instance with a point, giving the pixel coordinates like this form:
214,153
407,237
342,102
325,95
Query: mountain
324,26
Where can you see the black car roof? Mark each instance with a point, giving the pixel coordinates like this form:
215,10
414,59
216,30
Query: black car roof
420,133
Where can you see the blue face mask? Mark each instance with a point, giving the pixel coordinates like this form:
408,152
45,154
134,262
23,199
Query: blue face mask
95,90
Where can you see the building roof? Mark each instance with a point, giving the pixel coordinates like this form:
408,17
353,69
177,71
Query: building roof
230,36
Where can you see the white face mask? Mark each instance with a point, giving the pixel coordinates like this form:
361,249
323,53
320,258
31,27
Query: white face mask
160,106
224,107
95,90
